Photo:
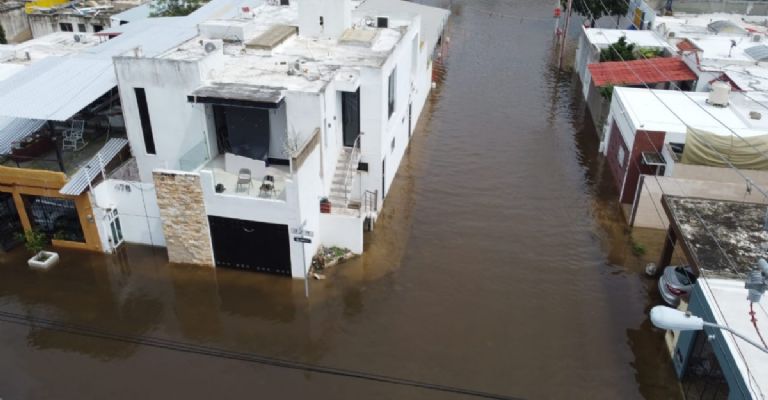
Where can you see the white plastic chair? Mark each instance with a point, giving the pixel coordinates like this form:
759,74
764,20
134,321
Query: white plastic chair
73,137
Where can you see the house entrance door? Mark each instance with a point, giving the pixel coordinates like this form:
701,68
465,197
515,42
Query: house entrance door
350,117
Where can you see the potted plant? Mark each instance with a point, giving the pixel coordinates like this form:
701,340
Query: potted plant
34,241
325,205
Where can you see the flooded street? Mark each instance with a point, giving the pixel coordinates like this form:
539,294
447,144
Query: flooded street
501,264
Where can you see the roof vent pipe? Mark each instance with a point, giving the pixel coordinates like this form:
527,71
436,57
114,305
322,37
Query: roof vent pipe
719,94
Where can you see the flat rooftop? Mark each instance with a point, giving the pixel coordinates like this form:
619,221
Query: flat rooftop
720,47
54,44
651,110
89,8
294,63
603,38
721,238
683,24
727,299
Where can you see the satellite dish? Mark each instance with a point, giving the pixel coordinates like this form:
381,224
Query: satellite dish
209,47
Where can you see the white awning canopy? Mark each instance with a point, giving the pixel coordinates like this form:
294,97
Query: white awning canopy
83,178
14,129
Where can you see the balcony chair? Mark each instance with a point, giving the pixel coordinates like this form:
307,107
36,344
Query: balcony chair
73,137
244,182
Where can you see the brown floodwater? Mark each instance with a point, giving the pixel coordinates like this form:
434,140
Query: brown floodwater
501,263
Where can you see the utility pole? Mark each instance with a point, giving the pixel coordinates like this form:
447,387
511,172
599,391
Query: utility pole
565,33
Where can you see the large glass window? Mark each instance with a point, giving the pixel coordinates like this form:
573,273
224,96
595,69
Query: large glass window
55,217
392,82
66,27
146,124
243,131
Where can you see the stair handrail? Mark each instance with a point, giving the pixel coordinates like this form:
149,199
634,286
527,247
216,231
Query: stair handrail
348,172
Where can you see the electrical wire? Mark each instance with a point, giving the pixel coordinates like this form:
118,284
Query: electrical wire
190,348
708,230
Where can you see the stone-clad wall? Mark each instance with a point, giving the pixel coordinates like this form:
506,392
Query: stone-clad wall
185,224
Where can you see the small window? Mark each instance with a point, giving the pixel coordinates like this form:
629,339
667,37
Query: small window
81,27
66,27
146,124
98,28
123,22
392,82
392,146
285,3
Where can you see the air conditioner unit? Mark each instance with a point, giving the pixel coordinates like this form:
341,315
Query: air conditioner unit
211,45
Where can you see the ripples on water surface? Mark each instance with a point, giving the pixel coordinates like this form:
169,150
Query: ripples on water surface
500,264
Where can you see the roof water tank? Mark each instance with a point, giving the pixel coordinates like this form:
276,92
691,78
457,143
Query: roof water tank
719,94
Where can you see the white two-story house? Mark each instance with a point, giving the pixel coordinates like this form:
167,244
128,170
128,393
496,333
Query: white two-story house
281,130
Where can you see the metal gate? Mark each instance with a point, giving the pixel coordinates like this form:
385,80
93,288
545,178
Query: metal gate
255,246
10,224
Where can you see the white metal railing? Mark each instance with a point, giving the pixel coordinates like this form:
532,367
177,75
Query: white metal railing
352,160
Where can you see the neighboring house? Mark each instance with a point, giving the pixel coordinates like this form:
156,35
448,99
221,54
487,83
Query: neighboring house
713,363
78,17
62,132
644,136
253,126
592,42
14,21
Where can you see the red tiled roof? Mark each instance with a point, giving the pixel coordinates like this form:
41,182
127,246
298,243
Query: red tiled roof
654,70
686,45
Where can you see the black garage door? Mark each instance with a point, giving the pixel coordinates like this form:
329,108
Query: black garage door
250,245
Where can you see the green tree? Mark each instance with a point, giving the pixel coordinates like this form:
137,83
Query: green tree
596,9
174,8
2,36
619,51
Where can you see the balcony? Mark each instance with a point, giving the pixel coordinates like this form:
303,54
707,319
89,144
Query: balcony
224,170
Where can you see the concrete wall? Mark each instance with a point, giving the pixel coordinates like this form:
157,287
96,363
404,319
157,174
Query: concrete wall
177,125
342,231
749,7
43,24
136,203
14,21
336,15
185,223
694,181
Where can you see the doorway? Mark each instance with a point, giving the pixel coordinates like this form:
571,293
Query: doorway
350,116
10,224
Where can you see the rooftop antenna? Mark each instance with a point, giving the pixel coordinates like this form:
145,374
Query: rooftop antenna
733,44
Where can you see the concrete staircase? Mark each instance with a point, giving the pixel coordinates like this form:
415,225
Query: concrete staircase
346,168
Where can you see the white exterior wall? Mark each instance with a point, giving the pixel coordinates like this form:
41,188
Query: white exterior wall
342,231
15,24
43,24
336,14
177,125
138,210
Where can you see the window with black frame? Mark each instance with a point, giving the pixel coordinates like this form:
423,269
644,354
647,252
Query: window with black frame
57,218
391,92
244,131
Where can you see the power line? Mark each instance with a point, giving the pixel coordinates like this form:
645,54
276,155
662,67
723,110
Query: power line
173,345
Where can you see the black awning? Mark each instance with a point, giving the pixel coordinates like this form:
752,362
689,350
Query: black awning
237,95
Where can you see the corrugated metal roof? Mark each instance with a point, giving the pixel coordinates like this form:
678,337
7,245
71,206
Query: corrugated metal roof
759,52
79,182
56,88
133,14
13,129
637,72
